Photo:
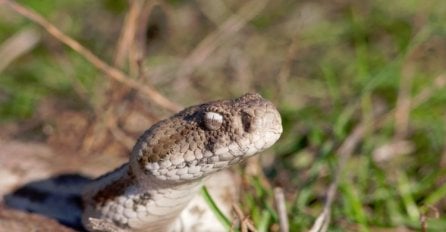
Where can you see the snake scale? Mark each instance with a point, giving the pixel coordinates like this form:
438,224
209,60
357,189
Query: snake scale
171,160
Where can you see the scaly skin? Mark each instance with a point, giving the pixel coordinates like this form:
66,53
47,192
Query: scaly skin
170,160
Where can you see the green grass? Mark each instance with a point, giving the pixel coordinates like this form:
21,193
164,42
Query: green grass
347,69
220,215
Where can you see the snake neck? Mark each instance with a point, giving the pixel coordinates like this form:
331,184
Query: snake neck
126,199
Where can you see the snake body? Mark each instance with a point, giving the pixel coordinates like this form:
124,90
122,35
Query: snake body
170,161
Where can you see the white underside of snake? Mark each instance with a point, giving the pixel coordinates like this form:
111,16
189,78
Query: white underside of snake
172,159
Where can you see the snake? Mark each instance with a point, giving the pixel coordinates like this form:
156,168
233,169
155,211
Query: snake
173,158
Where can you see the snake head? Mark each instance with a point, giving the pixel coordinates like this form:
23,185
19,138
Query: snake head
206,138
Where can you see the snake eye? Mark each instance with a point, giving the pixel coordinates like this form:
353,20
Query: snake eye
247,121
213,120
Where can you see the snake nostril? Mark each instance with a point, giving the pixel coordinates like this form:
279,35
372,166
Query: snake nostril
247,122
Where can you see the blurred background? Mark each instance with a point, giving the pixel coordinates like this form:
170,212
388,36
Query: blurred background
360,86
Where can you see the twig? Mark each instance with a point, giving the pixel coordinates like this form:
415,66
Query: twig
344,151
138,47
403,102
279,197
128,45
426,93
128,32
424,217
93,59
17,45
223,33
285,70
240,217
118,134
245,224
423,96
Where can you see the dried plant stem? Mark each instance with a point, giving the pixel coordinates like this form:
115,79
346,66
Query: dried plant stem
128,32
279,198
403,103
344,151
17,45
245,224
227,29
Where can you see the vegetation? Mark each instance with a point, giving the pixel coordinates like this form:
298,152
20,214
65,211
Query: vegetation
360,85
